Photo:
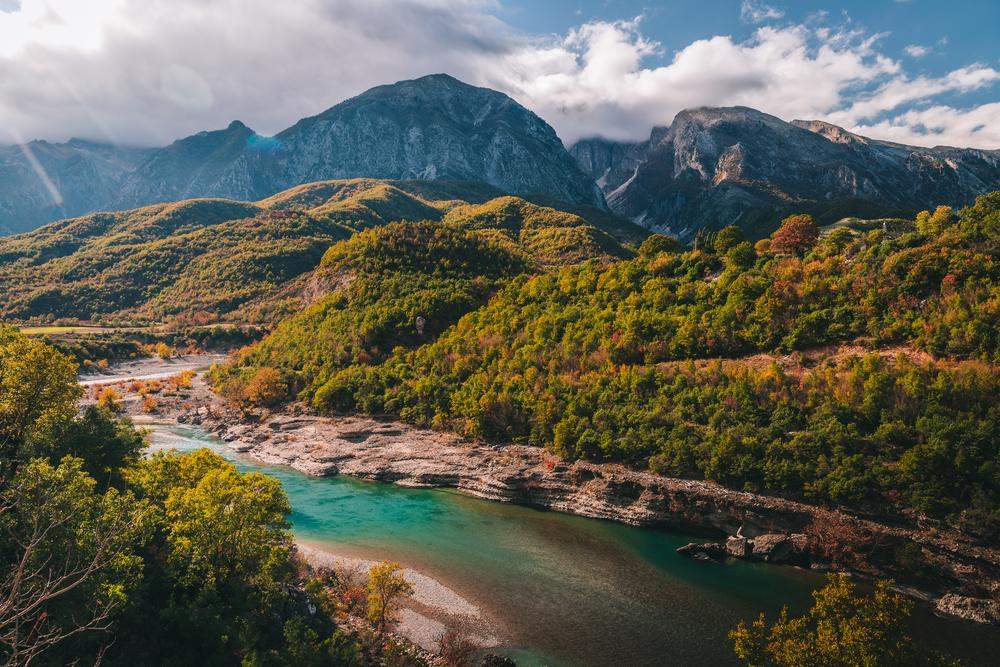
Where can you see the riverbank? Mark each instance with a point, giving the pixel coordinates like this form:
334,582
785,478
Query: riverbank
149,368
428,613
961,578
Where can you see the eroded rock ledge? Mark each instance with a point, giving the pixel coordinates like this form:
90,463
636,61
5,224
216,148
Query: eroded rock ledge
958,576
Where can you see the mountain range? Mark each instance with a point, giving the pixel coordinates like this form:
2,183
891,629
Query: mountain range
711,167
714,167
435,127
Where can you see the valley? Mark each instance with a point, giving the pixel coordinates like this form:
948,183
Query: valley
507,569
416,382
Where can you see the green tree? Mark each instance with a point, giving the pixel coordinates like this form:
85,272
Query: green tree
38,390
657,243
728,237
227,585
841,629
69,559
105,443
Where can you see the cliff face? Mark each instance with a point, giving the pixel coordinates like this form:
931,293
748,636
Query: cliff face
435,127
718,166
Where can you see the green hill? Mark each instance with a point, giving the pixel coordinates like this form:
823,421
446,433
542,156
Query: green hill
861,370
211,259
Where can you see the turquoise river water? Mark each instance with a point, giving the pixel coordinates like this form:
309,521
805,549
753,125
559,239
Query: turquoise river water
563,590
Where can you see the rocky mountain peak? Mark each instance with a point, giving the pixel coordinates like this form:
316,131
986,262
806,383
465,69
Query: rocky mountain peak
735,165
832,132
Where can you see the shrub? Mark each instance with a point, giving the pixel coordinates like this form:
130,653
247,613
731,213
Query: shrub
110,398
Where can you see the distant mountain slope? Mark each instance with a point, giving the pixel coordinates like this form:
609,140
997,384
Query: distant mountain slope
718,166
212,259
86,175
435,127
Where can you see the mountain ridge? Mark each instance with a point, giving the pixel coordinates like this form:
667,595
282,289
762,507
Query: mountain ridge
431,127
715,166
712,166
214,258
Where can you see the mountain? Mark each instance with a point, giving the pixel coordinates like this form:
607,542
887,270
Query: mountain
87,175
718,166
209,259
435,127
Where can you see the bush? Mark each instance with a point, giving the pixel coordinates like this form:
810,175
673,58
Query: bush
110,398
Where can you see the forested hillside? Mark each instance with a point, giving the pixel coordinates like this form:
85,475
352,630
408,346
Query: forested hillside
854,368
205,260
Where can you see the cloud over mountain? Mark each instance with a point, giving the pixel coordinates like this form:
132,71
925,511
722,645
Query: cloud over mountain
146,71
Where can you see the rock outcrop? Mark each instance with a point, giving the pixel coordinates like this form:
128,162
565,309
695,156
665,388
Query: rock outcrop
718,166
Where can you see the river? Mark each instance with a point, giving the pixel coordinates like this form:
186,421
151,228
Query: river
562,590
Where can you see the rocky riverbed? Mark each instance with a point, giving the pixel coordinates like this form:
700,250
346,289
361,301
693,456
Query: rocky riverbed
958,576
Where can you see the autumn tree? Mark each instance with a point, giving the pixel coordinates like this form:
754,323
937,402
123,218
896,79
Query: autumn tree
266,388
796,235
934,223
110,399
164,351
387,588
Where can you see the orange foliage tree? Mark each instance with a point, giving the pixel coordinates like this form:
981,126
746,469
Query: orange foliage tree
797,234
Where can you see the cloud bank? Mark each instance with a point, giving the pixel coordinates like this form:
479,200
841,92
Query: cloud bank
149,71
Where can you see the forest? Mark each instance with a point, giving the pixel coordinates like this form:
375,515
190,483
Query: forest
847,367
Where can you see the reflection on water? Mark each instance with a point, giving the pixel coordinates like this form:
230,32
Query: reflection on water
563,589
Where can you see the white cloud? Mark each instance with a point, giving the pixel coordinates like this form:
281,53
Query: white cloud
593,82
901,90
917,51
941,126
758,12
149,71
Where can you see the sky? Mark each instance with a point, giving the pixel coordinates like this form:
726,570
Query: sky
146,72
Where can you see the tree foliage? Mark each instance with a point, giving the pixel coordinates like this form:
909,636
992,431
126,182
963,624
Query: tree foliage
842,629
796,235
613,362
175,559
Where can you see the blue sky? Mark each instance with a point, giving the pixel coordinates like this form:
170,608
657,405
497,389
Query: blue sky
954,33
145,72
971,28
